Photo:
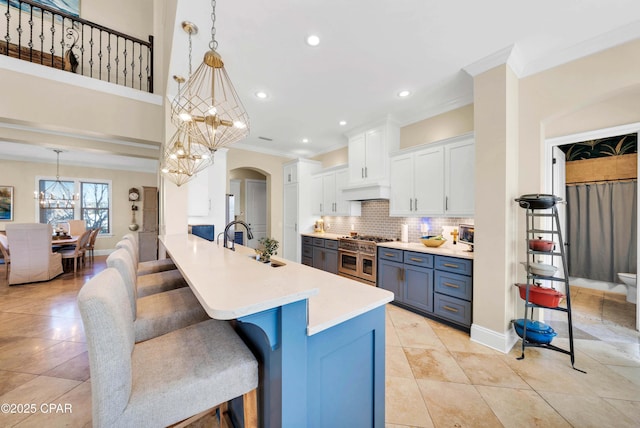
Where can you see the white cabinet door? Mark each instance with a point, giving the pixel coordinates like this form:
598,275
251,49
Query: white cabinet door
344,207
329,194
357,159
460,178
401,183
374,154
428,182
316,195
290,174
290,223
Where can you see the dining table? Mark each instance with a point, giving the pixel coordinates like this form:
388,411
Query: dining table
63,241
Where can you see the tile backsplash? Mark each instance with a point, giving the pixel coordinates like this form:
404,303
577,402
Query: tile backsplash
375,221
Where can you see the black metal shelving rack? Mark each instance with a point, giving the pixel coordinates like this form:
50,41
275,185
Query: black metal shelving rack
533,231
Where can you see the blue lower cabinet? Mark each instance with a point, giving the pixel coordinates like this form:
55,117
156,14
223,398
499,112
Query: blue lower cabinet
436,286
320,253
411,285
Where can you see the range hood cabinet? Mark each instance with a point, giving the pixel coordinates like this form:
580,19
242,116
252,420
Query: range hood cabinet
365,192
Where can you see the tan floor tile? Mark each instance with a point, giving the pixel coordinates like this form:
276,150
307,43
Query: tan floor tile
11,380
416,333
630,373
456,405
396,363
72,409
21,348
46,359
37,391
631,409
459,341
607,383
618,354
435,365
404,404
587,411
521,408
76,368
488,370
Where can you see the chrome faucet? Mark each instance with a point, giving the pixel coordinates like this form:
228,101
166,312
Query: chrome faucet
226,233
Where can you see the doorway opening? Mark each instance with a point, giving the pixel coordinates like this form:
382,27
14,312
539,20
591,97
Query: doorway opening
249,187
555,182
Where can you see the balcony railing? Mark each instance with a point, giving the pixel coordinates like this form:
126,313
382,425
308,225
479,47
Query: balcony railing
46,36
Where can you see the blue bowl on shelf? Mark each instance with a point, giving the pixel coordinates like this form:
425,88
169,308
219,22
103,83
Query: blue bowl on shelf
537,332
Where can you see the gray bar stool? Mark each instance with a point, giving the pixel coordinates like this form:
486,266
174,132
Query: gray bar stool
151,266
158,313
153,282
164,380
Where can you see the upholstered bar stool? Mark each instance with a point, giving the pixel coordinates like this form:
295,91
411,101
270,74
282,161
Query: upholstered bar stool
158,313
152,283
151,266
164,380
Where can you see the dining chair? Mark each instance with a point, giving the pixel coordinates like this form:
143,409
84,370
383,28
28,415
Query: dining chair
152,283
148,267
164,380
4,249
77,227
32,260
77,252
158,313
91,243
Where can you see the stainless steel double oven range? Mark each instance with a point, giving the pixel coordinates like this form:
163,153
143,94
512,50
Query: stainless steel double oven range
357,257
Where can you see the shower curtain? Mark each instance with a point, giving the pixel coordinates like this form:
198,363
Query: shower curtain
602,235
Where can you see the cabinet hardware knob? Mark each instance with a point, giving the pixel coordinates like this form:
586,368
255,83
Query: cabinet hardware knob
451,265
415,204
362,172
366,172
448,284
415,259
410,204
449,308
389,254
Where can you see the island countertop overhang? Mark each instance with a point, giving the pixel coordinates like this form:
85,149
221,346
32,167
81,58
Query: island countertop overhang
231,284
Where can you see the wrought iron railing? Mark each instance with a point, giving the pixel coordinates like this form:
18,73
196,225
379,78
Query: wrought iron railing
47,36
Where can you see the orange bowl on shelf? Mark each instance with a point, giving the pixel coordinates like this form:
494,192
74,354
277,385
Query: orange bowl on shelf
433,241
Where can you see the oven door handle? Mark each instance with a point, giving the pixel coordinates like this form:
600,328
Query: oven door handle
348,252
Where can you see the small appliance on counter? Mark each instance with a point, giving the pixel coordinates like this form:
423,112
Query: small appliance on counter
465,235
319,226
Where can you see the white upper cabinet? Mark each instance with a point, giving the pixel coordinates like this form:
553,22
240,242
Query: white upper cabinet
417,183
369,153
290,173
434,180
327,198
460,160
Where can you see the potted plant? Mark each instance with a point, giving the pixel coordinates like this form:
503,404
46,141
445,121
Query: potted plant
267,248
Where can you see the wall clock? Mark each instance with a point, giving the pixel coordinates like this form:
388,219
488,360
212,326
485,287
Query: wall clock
134,194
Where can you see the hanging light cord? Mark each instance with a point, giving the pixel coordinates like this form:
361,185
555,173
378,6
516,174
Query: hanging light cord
57,164
213,45
190,49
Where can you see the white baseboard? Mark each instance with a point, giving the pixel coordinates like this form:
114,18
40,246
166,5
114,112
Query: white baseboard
502,342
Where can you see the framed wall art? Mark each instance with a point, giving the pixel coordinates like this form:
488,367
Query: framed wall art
6,203
70,7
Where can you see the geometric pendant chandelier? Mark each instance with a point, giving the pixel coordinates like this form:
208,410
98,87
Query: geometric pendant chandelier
209,102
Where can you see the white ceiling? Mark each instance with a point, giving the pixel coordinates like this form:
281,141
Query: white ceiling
369,50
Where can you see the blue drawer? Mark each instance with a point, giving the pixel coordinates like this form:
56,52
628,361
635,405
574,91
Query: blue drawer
331,244
418,259
307,261
453,284
307,240
318,242
455,265
307,251
390,254
452,309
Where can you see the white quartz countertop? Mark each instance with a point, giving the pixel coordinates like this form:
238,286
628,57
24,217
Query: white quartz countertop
446,249
232,284
325,235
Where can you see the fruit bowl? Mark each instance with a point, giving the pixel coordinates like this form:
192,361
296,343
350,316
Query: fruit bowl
433,241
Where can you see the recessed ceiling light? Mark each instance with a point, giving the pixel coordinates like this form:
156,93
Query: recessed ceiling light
403,94
305,140
313,40
261,94
342,122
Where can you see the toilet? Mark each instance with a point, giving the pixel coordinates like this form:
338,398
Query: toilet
629,280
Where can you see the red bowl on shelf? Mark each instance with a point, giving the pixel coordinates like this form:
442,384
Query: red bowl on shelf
541,245
547,297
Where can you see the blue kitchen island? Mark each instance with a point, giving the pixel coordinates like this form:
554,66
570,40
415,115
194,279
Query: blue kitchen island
319,338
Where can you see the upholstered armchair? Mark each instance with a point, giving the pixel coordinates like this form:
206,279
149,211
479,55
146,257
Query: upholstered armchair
31,257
